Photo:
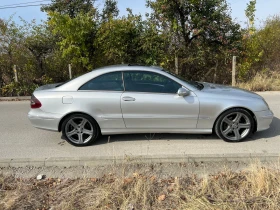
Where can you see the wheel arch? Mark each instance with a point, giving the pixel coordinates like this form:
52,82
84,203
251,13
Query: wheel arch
237,107
72,113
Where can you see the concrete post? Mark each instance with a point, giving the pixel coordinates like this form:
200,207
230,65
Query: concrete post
15,72
70,71
234,71
176,65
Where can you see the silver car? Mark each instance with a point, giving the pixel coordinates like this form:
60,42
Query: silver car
128,99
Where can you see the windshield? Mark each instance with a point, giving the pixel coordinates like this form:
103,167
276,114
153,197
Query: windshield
195,84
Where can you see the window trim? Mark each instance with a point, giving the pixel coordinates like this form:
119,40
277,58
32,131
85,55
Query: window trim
124,87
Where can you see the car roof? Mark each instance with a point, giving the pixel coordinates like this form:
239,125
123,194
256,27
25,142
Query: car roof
76,83
129,67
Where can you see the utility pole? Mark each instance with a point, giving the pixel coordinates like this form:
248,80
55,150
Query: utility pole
70,71
234,71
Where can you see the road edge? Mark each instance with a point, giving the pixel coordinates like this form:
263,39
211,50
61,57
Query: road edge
19,98
102,160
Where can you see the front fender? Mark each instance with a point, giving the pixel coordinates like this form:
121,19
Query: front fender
212,107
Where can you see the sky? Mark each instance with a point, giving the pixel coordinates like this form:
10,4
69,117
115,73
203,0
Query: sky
265,9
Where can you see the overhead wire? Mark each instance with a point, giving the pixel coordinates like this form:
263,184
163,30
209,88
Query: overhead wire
26,4
34,5
7,5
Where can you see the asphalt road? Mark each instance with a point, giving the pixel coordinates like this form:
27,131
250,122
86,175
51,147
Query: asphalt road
18,139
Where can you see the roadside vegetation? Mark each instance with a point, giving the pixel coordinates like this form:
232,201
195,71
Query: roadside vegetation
195,39
262,82
256,187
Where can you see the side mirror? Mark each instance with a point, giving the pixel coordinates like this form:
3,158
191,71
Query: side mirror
183,92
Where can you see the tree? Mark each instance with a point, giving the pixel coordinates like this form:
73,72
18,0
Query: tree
11,49
153,44
77,37
197,28
250,14
118,40
251,53
198,34
69,7
195,18
261,50
269,44
40,42
110,10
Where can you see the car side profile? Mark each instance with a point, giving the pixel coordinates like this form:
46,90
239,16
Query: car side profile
125,99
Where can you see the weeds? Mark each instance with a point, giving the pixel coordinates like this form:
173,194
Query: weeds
257,187
262,82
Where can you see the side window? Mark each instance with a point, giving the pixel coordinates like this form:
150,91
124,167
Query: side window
144,81
109,82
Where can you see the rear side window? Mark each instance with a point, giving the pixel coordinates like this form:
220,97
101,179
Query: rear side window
108,82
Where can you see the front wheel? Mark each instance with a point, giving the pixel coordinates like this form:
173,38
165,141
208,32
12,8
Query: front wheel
80,130
234,125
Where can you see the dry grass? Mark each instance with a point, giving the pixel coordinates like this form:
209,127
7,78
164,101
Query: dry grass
262,82
257,187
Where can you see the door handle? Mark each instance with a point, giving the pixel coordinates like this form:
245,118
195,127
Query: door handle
128,98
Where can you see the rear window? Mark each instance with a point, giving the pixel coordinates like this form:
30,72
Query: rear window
108,82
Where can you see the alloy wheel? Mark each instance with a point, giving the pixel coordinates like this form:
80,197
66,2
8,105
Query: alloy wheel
79,130
235,126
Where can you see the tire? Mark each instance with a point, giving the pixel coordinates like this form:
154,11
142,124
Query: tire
234,125
80,130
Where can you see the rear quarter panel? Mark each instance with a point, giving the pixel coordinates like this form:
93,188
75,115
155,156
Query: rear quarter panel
104,108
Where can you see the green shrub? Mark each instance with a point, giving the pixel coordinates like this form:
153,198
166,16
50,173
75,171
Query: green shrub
20,89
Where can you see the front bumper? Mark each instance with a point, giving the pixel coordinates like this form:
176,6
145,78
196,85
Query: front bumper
44,120
264,119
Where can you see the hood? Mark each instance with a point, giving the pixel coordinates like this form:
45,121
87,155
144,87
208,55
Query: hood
228,90
49,86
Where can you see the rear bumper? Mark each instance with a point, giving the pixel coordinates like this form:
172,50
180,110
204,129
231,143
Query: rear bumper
44,120
264,119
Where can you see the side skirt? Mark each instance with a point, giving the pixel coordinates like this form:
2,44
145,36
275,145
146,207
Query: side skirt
132,131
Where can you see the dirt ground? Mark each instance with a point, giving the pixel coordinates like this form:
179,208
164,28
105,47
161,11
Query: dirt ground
162,170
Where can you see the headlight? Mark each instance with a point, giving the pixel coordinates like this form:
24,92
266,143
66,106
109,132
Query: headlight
266,104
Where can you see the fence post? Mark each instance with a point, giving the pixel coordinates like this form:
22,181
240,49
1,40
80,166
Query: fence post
176,64
70,70
234,71
16,76
15,72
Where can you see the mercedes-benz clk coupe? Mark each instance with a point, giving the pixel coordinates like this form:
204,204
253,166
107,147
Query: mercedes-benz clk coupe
125,99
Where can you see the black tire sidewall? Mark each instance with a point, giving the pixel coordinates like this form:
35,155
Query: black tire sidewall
93,123
221,117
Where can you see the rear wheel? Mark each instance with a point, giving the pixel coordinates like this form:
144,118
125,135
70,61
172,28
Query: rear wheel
234,125
80,130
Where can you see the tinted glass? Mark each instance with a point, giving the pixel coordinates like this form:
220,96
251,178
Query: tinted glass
142,81
195,84
110,82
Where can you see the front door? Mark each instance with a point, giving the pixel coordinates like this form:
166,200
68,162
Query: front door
150,101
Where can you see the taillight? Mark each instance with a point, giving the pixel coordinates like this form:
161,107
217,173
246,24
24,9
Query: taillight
35,103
